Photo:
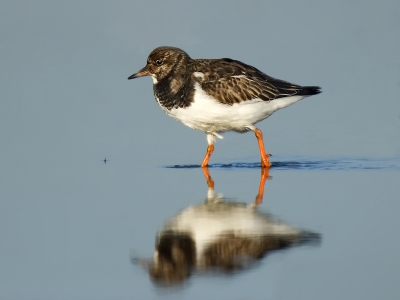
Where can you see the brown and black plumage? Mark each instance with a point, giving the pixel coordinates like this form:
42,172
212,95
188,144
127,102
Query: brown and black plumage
231,81
217,95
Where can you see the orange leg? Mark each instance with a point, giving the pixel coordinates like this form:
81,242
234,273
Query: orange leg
265,163
260,195
210,150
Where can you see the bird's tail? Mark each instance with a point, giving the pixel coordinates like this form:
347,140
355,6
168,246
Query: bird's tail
309,90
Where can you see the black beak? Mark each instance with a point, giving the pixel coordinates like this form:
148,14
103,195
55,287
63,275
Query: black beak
140,73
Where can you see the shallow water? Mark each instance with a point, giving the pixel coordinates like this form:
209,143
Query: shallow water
74,235
313,164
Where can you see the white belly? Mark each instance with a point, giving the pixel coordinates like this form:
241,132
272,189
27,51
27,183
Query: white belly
208,115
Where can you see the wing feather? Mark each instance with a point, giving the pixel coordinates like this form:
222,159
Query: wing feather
230,81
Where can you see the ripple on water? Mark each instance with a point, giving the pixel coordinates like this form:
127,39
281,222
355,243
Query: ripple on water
311,164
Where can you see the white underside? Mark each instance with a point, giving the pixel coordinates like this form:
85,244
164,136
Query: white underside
210,116
208,222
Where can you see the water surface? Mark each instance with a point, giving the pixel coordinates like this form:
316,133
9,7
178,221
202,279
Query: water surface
73,235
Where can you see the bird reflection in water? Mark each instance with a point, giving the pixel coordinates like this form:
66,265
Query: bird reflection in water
220,236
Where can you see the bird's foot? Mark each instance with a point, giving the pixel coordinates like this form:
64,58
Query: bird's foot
265,163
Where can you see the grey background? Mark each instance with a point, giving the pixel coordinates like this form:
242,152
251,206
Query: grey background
68,222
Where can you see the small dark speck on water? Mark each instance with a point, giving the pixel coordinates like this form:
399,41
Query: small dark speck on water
105,160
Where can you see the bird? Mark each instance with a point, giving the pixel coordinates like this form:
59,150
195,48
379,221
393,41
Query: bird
217,95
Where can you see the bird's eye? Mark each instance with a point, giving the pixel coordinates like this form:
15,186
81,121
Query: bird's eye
158,61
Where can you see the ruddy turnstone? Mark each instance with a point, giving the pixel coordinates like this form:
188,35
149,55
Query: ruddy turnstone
217,95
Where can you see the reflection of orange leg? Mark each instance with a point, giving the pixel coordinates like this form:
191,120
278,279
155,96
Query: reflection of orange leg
265,163
210,182
210,150
260,195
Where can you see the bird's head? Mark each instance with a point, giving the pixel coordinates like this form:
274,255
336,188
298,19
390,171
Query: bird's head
162,61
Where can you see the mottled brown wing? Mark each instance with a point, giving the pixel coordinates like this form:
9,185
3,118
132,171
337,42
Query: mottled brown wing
230,81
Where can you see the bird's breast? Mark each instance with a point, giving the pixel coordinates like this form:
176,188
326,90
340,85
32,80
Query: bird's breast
171,92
